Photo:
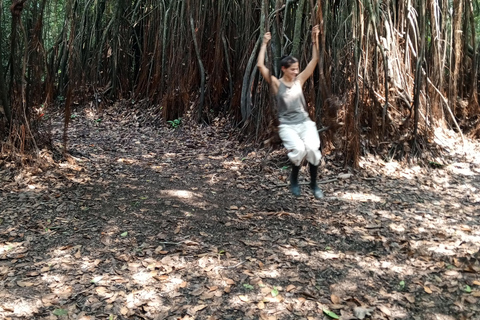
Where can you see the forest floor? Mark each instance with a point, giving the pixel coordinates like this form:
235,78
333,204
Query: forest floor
163,223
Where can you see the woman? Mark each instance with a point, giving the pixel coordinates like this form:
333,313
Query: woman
298,132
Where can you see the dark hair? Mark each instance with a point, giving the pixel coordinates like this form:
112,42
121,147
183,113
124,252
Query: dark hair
287,61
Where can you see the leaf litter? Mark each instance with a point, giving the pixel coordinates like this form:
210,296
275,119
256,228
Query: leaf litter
213,232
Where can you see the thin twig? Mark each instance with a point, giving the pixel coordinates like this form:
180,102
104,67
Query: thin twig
231,267
305,183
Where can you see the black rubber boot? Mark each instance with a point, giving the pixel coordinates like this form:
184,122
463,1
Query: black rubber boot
294,187
317,192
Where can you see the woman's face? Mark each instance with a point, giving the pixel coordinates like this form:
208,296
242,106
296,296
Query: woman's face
291,72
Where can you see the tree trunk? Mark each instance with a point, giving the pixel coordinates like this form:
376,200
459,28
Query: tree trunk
298,30
4,103
457,54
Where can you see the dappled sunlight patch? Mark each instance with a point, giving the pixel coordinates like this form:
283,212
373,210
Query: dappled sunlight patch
53,278
12,248
401,269
447,250
397,227
13,306
143,277
439,316
294,254
140,297
88,265
186,197
362,197
180,194
269,273
172,285
128,161
329,255
233,165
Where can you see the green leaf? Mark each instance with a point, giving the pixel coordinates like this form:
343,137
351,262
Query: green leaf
124,234
330,314
60,312
467,289
248,286
402,284
274,292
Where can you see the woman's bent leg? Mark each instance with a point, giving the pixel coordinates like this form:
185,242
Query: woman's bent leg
293,143
296,152
309,135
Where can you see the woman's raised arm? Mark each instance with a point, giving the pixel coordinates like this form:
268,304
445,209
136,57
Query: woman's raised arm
308,71
261,62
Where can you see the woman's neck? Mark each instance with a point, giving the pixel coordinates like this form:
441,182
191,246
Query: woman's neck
287,80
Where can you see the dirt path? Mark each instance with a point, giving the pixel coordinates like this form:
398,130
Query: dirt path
155,223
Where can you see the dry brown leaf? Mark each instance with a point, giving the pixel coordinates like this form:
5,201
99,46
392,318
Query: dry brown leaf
476,293
227,289
261,305
24,284
229,281
183,284
197,291
335,299
101,290
243,298
207,295
49,300
290,287
265,316
199,307
385,310
471,300
124,310
427,289
476,282
214,288
410,298
265,290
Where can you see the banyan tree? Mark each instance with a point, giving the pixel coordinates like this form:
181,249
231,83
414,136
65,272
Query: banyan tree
390,72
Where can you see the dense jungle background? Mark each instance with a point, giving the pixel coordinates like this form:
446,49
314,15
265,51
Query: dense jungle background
390,72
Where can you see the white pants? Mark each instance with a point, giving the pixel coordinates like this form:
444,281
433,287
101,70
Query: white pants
301,140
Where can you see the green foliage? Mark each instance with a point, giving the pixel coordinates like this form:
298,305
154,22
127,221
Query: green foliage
175,123
331,314
60,312
248,286
274,292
